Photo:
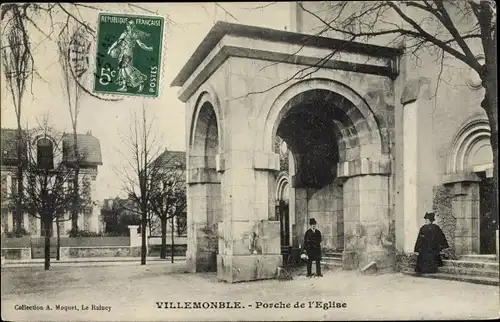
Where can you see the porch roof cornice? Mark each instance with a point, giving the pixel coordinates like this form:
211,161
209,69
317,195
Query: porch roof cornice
221,29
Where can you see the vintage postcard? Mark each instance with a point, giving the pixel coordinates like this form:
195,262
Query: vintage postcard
249,161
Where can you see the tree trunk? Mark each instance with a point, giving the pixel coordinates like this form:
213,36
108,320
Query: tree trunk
18,216
144,248
490,107
163,249
58,231
173,245
75,206
47,223
76,188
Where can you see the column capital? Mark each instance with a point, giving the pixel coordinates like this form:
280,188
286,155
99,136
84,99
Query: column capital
202,175
257,160
411,89
457,178
266,161
364,166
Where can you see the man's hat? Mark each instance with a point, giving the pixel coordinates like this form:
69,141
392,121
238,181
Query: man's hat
429,215
312,221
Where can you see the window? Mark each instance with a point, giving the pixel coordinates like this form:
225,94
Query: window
13,186
45,153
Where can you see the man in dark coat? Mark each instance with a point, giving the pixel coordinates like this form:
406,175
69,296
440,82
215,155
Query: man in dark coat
430,242
312,246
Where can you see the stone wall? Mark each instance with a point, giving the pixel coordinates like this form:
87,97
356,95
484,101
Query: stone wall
16,253
325,205
442,207
82,252
406,262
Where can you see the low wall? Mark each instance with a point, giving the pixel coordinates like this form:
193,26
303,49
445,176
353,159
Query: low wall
16,253
16,242
109,251
179,250
83,241
406,262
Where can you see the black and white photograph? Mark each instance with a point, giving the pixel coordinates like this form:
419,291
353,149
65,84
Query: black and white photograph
249,161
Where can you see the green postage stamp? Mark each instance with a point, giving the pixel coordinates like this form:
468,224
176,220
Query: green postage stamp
129,52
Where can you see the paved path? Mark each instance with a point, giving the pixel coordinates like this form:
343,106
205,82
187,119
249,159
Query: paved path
131,293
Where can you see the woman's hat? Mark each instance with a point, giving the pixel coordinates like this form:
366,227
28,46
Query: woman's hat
312,221
429,215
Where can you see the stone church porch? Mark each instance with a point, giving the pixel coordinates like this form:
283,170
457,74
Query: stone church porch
241,92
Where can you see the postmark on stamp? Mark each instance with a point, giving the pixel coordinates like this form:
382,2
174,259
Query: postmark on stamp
128,55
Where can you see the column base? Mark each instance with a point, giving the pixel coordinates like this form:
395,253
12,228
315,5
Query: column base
201,262
240,268
384,260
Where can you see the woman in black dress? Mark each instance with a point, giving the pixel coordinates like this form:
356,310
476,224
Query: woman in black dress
312,246
430,242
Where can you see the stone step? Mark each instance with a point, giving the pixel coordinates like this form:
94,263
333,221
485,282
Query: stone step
334,254
461,278
471,264
479,258
456,270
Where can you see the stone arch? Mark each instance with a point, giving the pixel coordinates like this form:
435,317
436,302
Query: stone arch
282,186
204,183
205,140
474,134
358,127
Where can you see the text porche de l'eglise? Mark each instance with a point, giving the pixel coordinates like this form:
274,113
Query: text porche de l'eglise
325,305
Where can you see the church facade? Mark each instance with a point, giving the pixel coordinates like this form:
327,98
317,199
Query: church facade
365,142
89,146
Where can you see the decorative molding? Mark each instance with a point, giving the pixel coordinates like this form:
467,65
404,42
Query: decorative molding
473,131
473,80
411,90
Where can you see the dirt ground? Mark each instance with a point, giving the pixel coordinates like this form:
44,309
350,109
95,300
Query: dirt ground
135,293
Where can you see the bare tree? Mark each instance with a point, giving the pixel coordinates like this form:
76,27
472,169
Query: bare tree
74,48
433,26
18,70
168,196
139,176
47,195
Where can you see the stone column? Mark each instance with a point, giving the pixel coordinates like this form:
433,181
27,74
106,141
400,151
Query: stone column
26,222
414,173
249,242
291,204
410,176
367,234
135,238
10,221
203,206
39,227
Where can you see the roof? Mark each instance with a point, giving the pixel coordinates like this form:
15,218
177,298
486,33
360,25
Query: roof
88,145
173,159
8,144
222,28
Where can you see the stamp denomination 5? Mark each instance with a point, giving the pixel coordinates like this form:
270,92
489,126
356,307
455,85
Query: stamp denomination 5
128,55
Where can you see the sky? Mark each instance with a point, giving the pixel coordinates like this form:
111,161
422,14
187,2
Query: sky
109,121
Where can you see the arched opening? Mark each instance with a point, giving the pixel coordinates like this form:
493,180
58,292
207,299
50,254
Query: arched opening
321,129
471,153
204,190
